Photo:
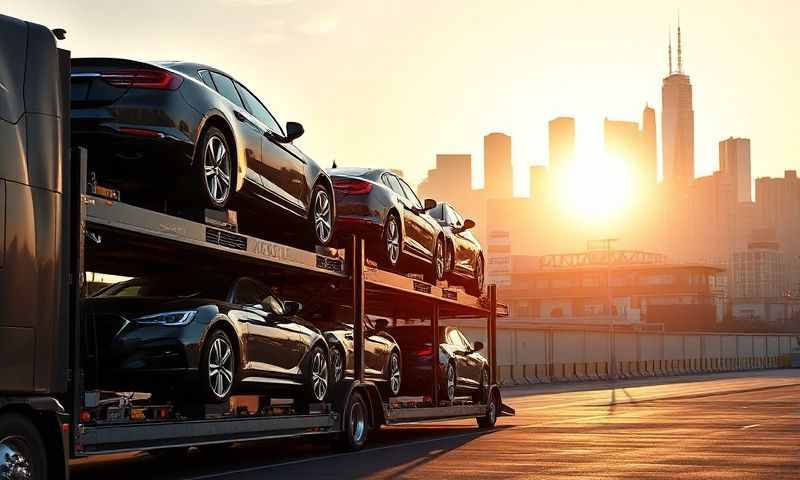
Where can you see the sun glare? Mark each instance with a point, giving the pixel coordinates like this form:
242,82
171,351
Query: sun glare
597,189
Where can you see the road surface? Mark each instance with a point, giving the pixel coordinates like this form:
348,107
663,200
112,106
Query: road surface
732,426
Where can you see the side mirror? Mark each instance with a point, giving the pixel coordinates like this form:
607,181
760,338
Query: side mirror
294,130
430,204
477,347
272,304
468,224
290,307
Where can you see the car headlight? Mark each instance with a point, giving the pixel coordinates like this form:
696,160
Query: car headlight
173,319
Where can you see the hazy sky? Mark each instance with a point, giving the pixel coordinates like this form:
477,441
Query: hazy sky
392,83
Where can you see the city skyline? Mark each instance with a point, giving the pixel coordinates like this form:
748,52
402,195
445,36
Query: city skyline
398,75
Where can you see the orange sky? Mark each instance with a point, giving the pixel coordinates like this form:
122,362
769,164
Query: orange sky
393,83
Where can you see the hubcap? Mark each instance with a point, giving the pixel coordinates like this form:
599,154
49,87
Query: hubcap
217,168
358,423
440,260
14,464
220,367
451,383
393,241
492,411
319,376
338,370
395,378
322,216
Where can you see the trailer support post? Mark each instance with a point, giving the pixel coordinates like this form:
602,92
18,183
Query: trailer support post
357,263
435,353
492,337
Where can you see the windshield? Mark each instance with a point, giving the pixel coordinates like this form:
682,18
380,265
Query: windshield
177,286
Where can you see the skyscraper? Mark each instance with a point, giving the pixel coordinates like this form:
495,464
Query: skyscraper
649,166
778,203
635,146
677,123
734,161
561,136
497,169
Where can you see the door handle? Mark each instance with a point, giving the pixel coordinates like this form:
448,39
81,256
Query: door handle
239,115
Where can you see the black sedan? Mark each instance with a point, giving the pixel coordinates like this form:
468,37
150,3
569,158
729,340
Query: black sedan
382,361
187,135
381,207
202,338
462,370
464,257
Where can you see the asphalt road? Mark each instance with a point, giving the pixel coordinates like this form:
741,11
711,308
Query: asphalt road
732,426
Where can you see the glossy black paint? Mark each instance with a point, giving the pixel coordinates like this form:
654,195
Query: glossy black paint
32,268
464,250
130,355
453,348
270,171
366,214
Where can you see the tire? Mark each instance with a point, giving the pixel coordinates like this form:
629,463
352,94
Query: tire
482,394
337,365
488,420
321,216
218,367
393,375
317,375
392,242
449,383
438,267
450,258
476,286
22,450
215,171
356,424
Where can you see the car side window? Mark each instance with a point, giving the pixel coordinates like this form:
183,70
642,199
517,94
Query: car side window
410,193
394,185
453,338
206,78
464,339
438,213
249,292
226,88
257,109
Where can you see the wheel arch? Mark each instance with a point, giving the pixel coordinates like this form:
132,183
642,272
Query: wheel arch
324,180
226,326
218,120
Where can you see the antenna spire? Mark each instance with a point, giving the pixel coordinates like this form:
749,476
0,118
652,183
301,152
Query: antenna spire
669,50
680,51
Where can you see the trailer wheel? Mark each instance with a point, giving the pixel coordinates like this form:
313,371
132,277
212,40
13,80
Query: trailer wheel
488,420
22,450
356,424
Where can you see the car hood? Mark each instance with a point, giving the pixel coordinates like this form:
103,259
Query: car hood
144,305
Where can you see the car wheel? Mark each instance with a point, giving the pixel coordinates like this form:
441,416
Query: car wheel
316,375
22,450
477,284
450,258
483,390
392,242
393,375
356,424
215,166
449,382
321,216
488,420
438,270
337,364
218,367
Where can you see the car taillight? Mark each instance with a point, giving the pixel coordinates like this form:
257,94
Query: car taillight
143,78
425,351
352,186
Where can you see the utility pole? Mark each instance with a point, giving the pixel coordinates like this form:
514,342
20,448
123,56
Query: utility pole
606,243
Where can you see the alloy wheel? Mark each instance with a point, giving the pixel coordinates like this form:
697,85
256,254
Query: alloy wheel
217,169
319,375
322,216
337,364
479,276
220,367
14,459
451,382
394,379
358,422
440,260
392,241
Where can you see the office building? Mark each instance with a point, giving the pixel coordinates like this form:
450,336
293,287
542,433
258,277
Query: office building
497,170
734,162
677,123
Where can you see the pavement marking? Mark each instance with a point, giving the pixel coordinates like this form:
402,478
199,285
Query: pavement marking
751,426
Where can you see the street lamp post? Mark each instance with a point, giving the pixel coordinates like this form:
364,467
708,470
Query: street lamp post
612,344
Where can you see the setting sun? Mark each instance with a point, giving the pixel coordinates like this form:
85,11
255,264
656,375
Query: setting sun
597,189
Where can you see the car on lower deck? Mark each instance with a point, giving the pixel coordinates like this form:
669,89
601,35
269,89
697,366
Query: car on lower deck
180,136
202,337
462,369
381,207
464,258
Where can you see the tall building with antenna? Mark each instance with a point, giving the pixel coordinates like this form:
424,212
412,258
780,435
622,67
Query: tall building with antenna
677,122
